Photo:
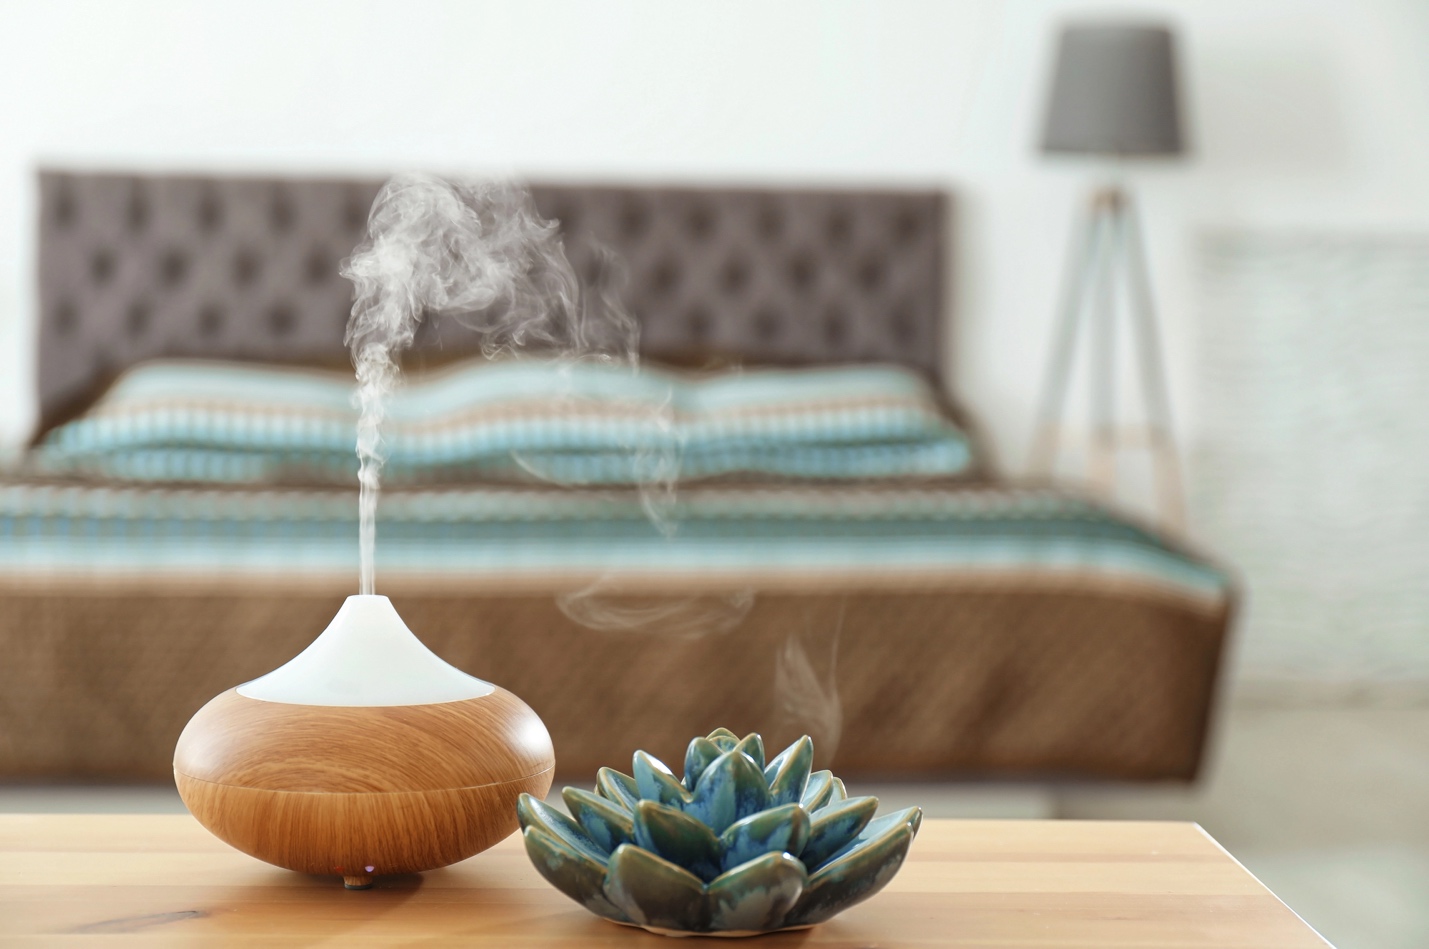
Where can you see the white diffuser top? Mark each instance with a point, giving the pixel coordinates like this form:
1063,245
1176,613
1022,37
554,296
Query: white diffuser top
366,656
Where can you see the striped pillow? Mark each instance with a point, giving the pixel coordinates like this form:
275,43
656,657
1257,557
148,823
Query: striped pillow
567,422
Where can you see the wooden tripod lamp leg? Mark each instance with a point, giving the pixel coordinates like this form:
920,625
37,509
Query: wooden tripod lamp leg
1170,493
1102,445
1088,237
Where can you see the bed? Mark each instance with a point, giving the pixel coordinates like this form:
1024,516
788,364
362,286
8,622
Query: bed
947,623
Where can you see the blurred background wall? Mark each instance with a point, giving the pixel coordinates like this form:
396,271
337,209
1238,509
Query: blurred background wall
1305,115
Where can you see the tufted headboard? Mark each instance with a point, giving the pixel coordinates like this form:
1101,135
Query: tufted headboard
132,268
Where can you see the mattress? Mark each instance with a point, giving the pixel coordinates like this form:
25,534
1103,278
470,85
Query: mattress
912,629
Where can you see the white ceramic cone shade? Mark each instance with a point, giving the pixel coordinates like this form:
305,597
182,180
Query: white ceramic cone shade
366,657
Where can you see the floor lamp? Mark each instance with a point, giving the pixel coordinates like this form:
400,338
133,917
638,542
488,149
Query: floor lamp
1114,94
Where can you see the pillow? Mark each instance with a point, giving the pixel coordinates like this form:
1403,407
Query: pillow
567,422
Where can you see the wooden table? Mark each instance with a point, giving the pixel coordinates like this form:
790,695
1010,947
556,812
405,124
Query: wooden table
157,881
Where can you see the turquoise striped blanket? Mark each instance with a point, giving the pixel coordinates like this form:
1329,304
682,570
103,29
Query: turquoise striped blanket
576,423
469,534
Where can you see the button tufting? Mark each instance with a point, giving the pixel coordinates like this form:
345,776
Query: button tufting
137,212
838,227
280,319
210,211
802,270
354,211
173,268
66,318
770,222
906,227
767,323
835,325
318,267
101,266
280,212
245,267
700,222
634,221
698,322
902,323
664,277
64,209
210,320
137,318
870,274
734,276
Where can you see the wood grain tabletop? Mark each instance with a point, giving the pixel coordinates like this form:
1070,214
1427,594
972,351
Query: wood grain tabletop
162,880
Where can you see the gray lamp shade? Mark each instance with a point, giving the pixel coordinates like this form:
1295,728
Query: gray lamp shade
1114,92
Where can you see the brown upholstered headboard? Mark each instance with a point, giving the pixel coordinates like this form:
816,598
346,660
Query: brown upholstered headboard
132,268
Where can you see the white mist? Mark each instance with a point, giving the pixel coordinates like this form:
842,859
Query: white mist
481,254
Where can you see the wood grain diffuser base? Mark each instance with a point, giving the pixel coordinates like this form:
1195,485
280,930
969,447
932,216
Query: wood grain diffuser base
365,755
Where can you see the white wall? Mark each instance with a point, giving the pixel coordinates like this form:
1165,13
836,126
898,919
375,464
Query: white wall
1307,113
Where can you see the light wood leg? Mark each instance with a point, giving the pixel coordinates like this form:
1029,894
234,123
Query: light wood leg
1170,494
1088,237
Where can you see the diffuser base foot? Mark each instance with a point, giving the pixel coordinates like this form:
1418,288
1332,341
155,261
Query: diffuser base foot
363,882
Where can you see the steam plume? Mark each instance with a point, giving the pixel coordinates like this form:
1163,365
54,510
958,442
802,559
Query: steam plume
685,617
808,698
478,252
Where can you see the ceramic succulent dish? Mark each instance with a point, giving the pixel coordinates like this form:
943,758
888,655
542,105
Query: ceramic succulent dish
739,847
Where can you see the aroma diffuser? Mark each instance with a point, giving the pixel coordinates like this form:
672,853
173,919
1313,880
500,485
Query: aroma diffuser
365,755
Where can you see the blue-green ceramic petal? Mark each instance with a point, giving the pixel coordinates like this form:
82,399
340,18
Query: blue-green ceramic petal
756,896
839,792
818,791
697,758
724,738
911,817
784,829
618,788
859,873
730,788
534,812
753,745
573,872
653,892
834,827
609,825
656,782
788,773
679,838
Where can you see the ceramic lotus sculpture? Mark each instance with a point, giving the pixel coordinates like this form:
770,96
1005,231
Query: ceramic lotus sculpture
736,848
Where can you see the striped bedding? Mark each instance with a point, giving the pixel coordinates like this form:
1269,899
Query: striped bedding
473,533
509,470
583,423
